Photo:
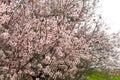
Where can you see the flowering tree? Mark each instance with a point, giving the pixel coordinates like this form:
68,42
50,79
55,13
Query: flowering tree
49,38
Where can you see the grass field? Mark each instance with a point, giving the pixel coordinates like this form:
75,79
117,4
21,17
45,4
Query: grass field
102,76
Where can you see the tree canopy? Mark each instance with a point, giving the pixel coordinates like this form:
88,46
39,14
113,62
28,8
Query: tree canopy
52,38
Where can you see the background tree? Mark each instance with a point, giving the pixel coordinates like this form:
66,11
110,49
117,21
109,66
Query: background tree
51,38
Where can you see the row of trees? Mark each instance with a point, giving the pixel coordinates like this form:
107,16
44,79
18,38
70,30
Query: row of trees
53,38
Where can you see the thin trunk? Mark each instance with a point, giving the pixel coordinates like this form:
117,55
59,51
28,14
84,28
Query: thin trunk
33,78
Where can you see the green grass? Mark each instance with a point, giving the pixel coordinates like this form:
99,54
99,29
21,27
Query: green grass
102,76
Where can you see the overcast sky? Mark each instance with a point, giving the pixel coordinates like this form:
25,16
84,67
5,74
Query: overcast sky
110,10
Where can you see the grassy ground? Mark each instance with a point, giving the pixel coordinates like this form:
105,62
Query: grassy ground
95,75
102,76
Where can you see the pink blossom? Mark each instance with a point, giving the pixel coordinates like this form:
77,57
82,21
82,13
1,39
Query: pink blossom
47,58
5,35
4,18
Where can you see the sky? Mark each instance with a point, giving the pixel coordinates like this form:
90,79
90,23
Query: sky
110,10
